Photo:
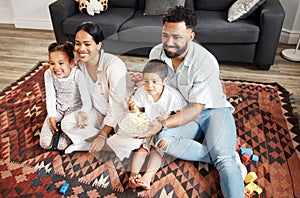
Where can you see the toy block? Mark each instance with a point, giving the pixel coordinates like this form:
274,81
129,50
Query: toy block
249,188
246,158
248,151
254,158
64,188
258,190
252,187
250,177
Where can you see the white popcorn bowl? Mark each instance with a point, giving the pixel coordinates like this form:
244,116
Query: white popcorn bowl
132,131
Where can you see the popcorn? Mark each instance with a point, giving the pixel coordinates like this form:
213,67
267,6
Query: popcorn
134,123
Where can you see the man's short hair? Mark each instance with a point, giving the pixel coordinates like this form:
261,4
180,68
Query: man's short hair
158,67
180,14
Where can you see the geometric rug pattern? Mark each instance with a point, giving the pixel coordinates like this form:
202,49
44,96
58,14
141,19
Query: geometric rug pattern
264,121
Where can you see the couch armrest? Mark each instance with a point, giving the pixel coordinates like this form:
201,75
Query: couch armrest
59,11
271,17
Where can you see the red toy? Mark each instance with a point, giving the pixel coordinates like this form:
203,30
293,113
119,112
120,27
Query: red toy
246,158
246,154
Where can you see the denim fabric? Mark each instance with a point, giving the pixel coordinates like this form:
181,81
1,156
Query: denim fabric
218,146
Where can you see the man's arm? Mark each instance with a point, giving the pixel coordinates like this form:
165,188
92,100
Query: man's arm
186,115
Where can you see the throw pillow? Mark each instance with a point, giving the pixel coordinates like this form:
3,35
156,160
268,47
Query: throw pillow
92,7
157,7
241,9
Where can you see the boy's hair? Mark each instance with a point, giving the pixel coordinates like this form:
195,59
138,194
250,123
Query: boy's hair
67,47
92,29
180,14
158,67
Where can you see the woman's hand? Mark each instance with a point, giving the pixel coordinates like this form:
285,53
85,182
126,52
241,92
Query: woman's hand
154,128
82,119
53,124
98,143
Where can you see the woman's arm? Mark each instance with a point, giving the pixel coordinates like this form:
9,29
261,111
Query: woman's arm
117,91
83,90
82,119
115,75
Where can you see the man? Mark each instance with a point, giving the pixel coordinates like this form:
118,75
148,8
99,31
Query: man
195,73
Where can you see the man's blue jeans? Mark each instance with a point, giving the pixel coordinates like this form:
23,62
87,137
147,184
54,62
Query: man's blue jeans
218,127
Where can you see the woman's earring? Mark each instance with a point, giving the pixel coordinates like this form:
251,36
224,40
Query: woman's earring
99,46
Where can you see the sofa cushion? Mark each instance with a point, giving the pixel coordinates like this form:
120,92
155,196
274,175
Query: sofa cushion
188,4
110,20
220,5
213,27
158,7
140,28
241,9
122,3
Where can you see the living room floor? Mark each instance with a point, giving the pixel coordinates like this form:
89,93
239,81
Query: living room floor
21,49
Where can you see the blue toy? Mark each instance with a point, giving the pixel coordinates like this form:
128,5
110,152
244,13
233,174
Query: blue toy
255,158
64,188
249,151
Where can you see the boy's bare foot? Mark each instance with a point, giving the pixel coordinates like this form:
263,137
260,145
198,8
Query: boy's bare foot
132,181
143,184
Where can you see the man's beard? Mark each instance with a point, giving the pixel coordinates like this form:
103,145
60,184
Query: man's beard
177,53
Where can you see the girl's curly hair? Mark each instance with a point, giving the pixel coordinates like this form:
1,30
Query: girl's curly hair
180,14
67,47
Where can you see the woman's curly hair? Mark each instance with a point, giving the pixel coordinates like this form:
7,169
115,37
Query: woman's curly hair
180,14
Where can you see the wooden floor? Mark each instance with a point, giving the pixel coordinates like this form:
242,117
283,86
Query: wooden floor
20,49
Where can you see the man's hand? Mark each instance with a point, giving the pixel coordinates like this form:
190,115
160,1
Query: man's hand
97,144
162,118
53,124
154,128
82,119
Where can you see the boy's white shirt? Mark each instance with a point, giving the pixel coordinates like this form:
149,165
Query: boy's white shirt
170,100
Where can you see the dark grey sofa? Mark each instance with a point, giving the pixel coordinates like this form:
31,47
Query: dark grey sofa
127,31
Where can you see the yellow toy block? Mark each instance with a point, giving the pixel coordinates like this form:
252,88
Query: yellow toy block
258,189
250,177
249,188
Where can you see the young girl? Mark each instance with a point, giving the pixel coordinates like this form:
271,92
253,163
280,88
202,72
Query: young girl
65,93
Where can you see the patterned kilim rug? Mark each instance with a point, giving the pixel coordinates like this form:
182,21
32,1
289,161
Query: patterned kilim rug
264,122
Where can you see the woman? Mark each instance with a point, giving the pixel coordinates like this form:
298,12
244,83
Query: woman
105,75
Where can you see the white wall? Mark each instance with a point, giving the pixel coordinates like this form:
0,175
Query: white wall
291,26
6,14
34,14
